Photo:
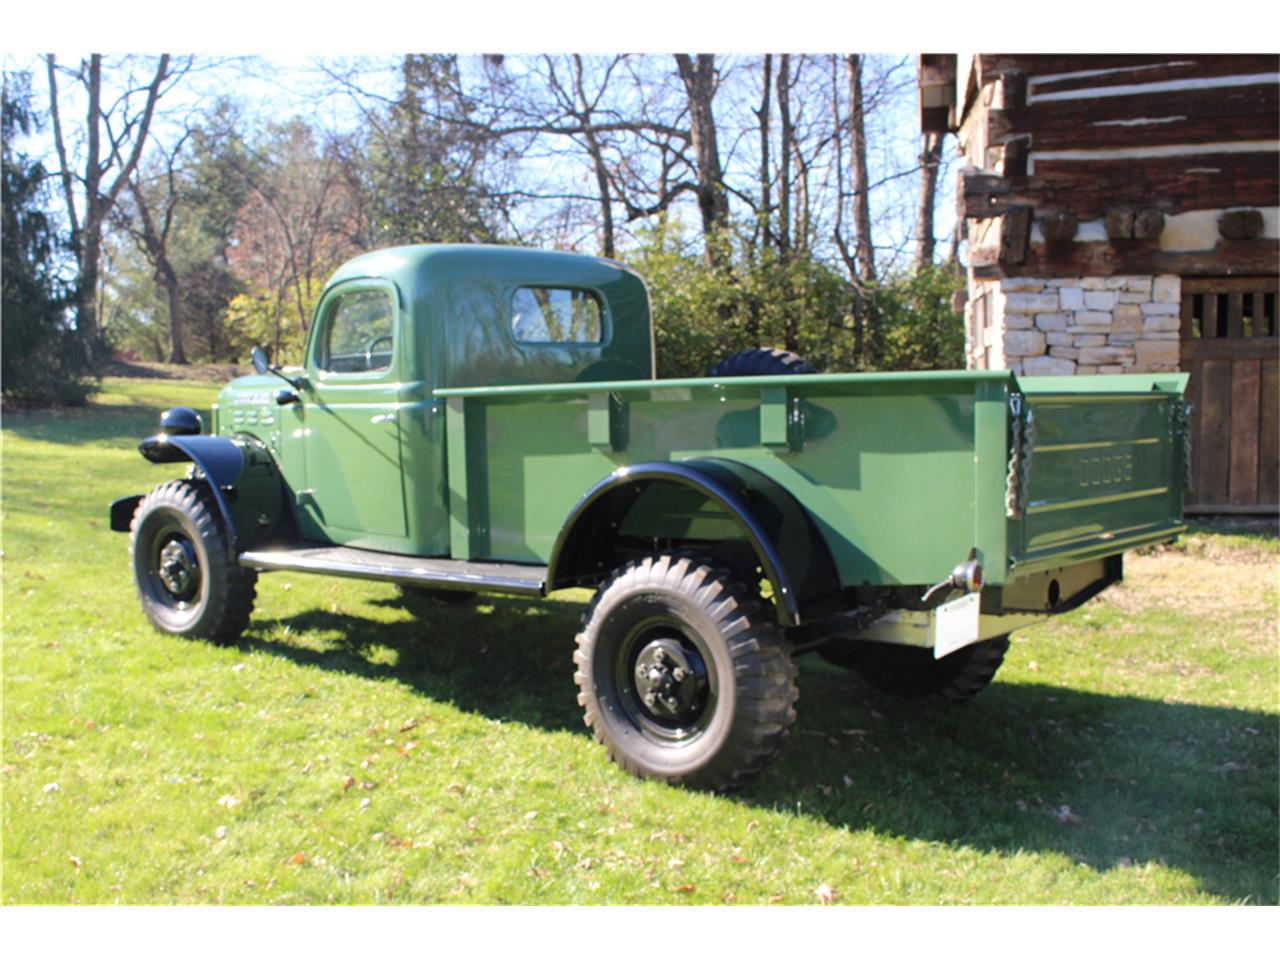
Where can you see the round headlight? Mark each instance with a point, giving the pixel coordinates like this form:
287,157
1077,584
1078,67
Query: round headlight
180,421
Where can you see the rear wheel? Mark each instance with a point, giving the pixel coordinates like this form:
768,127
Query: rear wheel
187,577
682,674
912,673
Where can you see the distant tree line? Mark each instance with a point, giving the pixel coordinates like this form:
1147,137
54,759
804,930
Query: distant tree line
758,196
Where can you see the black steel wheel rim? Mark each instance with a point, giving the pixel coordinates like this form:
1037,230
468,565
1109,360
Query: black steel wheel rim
663,680
173,567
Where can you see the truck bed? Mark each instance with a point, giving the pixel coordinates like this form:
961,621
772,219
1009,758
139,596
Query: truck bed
904,473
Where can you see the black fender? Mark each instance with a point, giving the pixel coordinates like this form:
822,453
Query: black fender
242,476
792,552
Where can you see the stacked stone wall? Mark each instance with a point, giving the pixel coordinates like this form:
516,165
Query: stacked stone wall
1057,326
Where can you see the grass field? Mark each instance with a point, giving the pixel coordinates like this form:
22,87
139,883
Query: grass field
350,750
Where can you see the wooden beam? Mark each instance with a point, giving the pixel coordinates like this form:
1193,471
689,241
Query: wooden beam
1119,223
1241,224
1148,224
1059,227
991,65
1229,348
1015,231
1214,115
1269,431
1203,181
1239,258
1173,67
1245,415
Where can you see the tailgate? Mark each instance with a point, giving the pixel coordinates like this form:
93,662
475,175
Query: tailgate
1104,467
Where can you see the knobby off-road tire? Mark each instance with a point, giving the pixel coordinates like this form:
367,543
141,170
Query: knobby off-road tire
913,674
683,675
761,362
187,578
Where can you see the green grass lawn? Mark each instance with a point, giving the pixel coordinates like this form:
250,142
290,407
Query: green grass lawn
350,750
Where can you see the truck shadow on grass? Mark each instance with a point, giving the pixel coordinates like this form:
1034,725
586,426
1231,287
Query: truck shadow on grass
1105,781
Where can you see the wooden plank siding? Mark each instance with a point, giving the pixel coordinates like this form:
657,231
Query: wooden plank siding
1231,350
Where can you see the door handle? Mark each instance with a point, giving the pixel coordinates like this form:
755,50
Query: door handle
382,418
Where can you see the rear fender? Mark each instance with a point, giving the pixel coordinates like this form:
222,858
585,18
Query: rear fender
243,478
791,551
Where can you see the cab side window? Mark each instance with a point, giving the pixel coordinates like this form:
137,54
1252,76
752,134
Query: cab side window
359,334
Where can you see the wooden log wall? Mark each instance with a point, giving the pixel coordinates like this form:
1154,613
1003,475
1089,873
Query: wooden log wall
1120,139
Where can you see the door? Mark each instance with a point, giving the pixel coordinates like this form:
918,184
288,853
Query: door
355,488
1231,349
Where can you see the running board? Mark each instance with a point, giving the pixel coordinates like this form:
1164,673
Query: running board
438,573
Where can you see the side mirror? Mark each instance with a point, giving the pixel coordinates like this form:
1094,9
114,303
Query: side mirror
259,358
286,397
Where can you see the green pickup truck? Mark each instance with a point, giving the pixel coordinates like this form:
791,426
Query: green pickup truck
475,419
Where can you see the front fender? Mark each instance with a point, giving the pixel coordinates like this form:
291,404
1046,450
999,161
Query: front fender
791,550
243,478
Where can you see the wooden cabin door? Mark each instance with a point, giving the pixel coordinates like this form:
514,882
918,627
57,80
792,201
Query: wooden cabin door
1231,349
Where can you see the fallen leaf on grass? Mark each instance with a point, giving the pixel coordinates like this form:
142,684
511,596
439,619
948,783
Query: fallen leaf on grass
74,861
408,725
1066,816
228,801
50,788
684,888
298,859
825,894
531,815
348,783
364,804
220,833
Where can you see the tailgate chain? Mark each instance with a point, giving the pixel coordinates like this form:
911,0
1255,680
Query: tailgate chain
1023,423
1182,434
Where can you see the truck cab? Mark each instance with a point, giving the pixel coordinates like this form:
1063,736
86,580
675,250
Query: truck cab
361,443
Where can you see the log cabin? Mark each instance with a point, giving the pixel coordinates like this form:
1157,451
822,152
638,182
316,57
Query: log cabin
1122,215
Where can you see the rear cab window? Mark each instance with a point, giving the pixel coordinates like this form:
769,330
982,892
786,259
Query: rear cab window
557,315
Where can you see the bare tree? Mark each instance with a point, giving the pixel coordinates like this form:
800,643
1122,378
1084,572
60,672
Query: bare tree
115,133
151,232
699,77
930,157
863,245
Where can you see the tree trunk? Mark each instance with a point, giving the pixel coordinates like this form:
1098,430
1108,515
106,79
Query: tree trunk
169,280
785,148
930,157
864,248
699,78
597,160
766,200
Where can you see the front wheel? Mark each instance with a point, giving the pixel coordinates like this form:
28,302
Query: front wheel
683,676
187,578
